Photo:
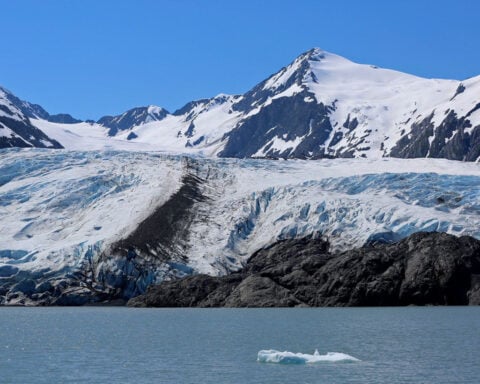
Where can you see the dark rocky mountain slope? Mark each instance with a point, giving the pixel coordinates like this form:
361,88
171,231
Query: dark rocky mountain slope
423,269
16,129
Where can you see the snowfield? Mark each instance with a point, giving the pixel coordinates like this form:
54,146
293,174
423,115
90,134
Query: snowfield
60,209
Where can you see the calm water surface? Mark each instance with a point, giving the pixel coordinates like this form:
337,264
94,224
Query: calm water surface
122,345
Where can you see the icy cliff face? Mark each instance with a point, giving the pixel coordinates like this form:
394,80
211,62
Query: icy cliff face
58,209
83,226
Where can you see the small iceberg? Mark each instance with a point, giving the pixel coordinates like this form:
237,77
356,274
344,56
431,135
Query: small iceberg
273,356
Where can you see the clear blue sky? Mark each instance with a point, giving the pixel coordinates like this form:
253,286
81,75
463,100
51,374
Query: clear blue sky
96,57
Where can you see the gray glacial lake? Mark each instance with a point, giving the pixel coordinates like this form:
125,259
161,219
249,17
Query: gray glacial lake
123,345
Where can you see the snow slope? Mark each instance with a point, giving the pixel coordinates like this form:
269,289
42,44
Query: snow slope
86,136
16,129
199,130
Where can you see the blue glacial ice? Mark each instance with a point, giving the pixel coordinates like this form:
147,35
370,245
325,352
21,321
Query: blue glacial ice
60,210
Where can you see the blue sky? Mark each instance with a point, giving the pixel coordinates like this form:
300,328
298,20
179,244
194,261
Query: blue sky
91,58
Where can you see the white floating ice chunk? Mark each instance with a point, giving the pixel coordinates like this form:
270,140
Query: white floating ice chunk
273,356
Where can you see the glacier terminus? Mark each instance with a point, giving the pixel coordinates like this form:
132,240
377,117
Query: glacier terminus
83,226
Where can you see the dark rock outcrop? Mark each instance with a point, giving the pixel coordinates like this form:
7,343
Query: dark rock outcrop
132,118
423,269
15,116
24,135
35,111
452,139
287,118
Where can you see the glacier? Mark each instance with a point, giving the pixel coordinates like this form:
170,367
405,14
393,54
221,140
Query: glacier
79,226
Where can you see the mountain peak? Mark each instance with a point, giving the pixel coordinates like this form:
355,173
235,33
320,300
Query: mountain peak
304,67
315,54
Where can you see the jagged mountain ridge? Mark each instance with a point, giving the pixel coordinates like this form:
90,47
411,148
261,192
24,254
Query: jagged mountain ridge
35,111
320,106
132,118
16,129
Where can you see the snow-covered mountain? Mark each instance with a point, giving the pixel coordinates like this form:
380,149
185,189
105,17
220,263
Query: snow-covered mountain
132,118
81,225
16,129
323,105
320,106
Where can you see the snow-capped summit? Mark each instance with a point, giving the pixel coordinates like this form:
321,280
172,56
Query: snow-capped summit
298,71
321,105
131,118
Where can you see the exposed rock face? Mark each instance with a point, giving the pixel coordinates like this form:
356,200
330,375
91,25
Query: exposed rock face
16,129
453,139
290,117
423,269
132,118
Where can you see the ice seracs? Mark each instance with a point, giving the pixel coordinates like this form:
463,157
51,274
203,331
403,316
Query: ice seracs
62,211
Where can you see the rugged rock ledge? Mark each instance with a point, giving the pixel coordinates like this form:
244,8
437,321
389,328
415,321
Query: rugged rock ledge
423,269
